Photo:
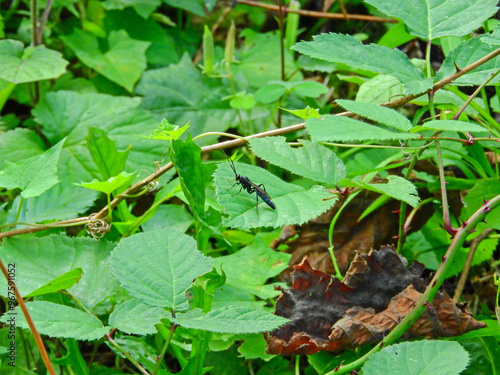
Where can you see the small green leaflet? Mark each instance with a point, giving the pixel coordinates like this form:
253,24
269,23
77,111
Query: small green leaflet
377,113
230,320
110,185
169,261
34,175
343,129
135,317
397,188
451,125
294,204
56,320
305,113
312,160
105,155
168,131
62,282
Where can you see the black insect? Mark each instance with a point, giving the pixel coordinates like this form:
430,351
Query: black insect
250,187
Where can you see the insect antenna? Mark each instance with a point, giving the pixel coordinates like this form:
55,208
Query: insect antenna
231,163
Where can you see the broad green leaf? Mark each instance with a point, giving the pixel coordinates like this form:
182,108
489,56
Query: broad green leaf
377,113
19,144
397,188
254,347
173,216
258,61
107,187
143,7
106,156
181,94
346,49
451,125
343,129
434,357
230,320
380,89
294,204
482,191
169,261
311,161
56,320
62,282
41,260
71,114
465,54
34,175
431,19
30,64
134,317
305,113
261,263
123,63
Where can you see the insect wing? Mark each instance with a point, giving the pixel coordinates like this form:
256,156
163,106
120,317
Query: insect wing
263,195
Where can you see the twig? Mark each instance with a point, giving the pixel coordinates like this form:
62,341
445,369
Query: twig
27,316
312,13
444,196
468,263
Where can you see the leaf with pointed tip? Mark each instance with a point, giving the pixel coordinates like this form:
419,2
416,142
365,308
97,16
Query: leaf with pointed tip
62,282
137,318
34,175
345,49
106,156
343,129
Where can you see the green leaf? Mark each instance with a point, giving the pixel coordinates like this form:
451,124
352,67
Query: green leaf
134,317
33,175
397,188
261,263
168,131
30,64
254,347
269,93
451,125
346,49
482,191
107,187
429,19
417,358
377,113
41,260
465,54
169,261
106,156
62,282
230,320
294,204
56,320
379,89
123,63
311,161
19,144
310,89
343,129
305,113
183,95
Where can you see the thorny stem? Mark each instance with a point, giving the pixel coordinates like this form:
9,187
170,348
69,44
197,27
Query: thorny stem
431,289
444,196
27,316
236,142
468,263
413,212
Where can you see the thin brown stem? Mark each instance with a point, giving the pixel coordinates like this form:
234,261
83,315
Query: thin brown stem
315,14
27,316
444,196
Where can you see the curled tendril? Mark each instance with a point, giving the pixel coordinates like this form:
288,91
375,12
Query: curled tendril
156,164
152,185
97,228
406,155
